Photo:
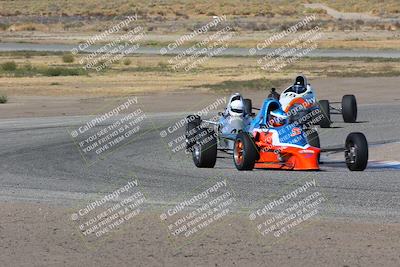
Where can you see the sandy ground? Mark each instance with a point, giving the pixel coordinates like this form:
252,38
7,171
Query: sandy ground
367,90
231,242
343,15
367,39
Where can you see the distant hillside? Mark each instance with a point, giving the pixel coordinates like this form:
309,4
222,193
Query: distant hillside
189,8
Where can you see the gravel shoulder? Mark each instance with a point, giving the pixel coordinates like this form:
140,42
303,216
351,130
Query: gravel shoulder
41,235
367,90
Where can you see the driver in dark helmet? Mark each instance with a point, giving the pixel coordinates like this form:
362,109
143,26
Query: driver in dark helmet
299,88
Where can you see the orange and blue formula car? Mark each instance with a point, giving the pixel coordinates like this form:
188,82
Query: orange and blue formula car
266,140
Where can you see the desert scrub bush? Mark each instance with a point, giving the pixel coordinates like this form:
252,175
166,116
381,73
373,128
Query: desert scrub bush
29,27
9,66
60,71
72,25
163,66
127,62
319,11
68,58
180,14
4,26
28,70
3,99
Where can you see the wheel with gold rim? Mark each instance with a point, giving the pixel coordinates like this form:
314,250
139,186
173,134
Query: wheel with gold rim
244,152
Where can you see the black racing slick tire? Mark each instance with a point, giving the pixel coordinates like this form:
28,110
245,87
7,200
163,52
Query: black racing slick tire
349,108
248,106
325,121
245,152
204,151
313,138
356,152
193,124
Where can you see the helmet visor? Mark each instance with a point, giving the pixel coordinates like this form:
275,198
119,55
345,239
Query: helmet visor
237,110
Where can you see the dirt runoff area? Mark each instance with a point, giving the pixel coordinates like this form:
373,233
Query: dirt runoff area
371,90
42,235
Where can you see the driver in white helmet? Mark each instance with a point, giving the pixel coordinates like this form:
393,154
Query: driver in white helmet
235,107
234,117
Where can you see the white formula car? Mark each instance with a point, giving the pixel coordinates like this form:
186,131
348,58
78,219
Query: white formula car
301,94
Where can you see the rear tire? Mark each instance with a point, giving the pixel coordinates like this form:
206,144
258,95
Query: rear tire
248,107
245,152
325,121
204,151
313,138
349,108
192,126
356,152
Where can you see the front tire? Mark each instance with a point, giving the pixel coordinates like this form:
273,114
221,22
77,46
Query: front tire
356,152
349,108
192,126
325,121
204,151
244,152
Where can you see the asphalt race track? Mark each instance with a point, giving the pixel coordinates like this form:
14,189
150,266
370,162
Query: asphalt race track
41,163
329,53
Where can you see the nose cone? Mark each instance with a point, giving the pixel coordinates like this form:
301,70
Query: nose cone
307,159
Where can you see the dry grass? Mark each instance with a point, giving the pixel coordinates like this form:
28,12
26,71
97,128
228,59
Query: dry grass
68,58
171,8
28,27
3,99
171,17
152,74
178,8
376,7
329,43
360,44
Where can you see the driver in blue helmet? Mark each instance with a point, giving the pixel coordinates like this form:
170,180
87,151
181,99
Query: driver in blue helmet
277,118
